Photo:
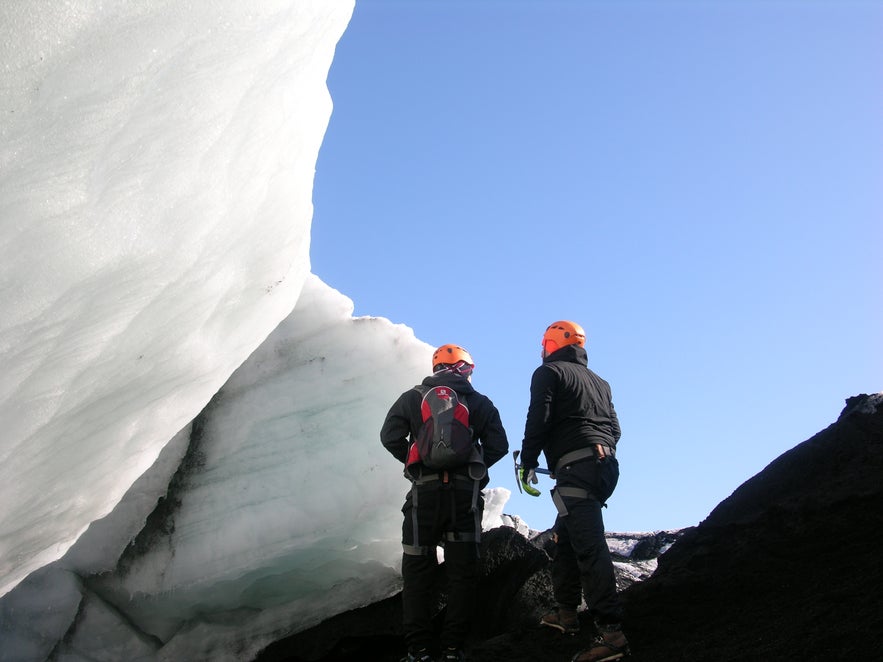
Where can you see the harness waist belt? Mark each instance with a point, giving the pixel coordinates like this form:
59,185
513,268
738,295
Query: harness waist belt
581,454
434,477
574,456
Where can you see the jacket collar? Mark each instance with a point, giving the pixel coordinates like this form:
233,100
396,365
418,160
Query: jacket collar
457,382
569,353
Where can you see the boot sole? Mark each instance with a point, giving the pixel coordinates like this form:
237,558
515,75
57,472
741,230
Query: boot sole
560,628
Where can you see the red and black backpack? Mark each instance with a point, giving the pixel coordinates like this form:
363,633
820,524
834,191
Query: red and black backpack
445,439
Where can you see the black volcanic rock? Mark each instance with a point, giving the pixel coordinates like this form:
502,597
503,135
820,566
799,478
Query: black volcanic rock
788,567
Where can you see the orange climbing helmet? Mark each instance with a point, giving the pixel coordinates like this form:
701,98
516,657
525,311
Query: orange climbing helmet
452,357
563,333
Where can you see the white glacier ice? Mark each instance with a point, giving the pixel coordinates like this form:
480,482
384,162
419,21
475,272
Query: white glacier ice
156,169
283,510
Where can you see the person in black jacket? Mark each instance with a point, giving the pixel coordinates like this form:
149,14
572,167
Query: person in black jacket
442,507
572,421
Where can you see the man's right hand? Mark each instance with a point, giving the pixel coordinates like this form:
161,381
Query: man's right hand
527,477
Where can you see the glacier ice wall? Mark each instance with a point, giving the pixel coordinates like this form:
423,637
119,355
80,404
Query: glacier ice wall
283,510
290,497
156,169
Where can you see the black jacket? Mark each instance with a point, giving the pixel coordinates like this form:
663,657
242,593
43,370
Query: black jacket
404,419
570,408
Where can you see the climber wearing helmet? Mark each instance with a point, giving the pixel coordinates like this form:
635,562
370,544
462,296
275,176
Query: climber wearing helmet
442,506
571,420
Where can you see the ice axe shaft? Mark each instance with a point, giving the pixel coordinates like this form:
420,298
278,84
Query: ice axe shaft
538,470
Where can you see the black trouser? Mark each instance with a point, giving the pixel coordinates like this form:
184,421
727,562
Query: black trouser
581,564
443,514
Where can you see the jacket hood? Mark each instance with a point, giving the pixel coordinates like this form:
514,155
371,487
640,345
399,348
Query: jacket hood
457,382
570,353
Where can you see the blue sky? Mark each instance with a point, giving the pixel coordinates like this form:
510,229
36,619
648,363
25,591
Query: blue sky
698,184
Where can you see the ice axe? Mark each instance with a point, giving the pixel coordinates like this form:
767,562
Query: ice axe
521,484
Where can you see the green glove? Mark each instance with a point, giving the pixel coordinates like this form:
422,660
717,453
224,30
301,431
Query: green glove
527,477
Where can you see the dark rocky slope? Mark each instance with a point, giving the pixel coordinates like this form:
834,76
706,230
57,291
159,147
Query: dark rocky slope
788,567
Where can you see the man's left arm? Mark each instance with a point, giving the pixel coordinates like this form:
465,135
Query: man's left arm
493,438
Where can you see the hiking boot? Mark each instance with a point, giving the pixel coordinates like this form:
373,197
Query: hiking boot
452,655
421,655
610,644
562,618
